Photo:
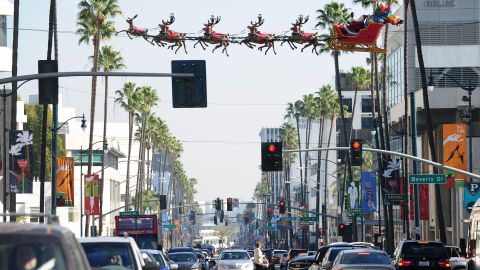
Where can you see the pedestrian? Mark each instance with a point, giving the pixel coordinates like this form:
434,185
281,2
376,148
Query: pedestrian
258,257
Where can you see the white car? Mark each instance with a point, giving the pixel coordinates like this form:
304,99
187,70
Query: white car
121,252
456,261
235,259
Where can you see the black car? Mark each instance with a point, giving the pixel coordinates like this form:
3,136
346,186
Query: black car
300,263
180,249
423,255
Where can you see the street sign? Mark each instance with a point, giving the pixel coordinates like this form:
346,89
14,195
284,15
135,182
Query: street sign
394,197
269,228
129,213
308,219
288,219
169,226
427,179
355,211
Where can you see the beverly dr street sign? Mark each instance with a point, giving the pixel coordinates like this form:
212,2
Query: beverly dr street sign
308,220
394,197
427,179
169,226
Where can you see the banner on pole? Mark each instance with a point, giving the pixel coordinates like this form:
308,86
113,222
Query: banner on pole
20,154
455,151
369,192
92,200
65,181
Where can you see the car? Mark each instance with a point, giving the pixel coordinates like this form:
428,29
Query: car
180,249
294,252
105,251
284,261
363,258
51,245
300,263
158,256
277,254
414,254
456,261
330,257
323,250
236,258
185,260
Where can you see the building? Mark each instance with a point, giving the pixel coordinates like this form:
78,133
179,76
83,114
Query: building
450,35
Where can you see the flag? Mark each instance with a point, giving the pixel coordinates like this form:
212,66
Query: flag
20,153
92,200
369,192
455,151
65,181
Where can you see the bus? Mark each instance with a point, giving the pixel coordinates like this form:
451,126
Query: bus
142,228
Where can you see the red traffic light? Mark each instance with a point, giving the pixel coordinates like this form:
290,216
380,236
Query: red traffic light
271,148
356,144
281,203
341,226
229,200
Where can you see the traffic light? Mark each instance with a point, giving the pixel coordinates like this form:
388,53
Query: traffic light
272,156
163,202
345,231
215,220
356,152
218,204
281,206
229,204
192,217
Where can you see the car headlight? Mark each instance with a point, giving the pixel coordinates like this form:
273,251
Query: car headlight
195,265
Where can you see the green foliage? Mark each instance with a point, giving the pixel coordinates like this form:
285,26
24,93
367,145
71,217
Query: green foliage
93,12
262,188
333,12
34,124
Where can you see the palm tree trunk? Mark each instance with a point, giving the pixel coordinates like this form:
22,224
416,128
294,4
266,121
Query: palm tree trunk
347,157
102,180
319,158
148,169
325,230
96,45
142,162
127,182
405,118
426,104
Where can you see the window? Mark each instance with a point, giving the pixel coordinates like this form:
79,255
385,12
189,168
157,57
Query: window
366,105
367,123
96,157
348,102
34,210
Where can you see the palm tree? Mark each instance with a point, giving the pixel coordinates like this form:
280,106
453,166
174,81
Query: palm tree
332,13
108,60
359,78
127,98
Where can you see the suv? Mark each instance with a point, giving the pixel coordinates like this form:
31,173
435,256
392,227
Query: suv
122,251
456,261
411,254
50,245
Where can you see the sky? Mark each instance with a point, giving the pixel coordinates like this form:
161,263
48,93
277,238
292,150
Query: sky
246,91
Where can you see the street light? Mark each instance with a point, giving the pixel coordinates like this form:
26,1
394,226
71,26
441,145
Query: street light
470,88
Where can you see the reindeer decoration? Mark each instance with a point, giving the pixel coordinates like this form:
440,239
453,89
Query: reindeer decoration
210,36
300,37
134,31
168,36
255,36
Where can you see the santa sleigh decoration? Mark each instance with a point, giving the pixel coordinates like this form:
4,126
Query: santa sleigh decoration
362,35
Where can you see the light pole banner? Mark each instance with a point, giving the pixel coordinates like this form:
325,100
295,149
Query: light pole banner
369,192
92,200
20,153
455,151
65,180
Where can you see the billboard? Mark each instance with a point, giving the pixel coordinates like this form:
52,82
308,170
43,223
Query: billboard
369,192
455,151
92,199
65,181
20,154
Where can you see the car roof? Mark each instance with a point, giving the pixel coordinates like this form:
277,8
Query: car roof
176,253
234,250
356,250
106,239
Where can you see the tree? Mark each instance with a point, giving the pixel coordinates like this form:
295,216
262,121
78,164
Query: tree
359,78
223,232
108,60
127,98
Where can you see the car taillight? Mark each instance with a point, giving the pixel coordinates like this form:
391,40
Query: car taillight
444,264
403,263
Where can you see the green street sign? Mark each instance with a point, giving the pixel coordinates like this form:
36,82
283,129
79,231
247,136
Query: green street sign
394,197
288,219
129,213
269,228
308,219
169,226
355,210
306,222
427,179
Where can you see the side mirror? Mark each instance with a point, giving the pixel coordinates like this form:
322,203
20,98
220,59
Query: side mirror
173,266
150,266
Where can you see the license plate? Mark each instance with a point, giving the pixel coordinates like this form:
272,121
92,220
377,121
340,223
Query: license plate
424,263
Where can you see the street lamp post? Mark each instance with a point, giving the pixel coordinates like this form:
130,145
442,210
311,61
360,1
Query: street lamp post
470,88
4,96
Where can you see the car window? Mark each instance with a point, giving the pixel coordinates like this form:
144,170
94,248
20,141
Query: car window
104,255
423,249
452,252
182,257
364,258
294,252
333,252
158,258
234,256
44,252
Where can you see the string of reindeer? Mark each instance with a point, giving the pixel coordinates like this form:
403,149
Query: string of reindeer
255,37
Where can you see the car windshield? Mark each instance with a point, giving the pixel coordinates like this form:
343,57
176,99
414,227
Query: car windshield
364,258
182,257
19,251
423,249
334,252
235,256
110,255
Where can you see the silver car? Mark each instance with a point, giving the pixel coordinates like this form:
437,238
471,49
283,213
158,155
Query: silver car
234,259
361,259
456,261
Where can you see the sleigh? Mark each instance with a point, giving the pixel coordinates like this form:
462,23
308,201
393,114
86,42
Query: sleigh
364,41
